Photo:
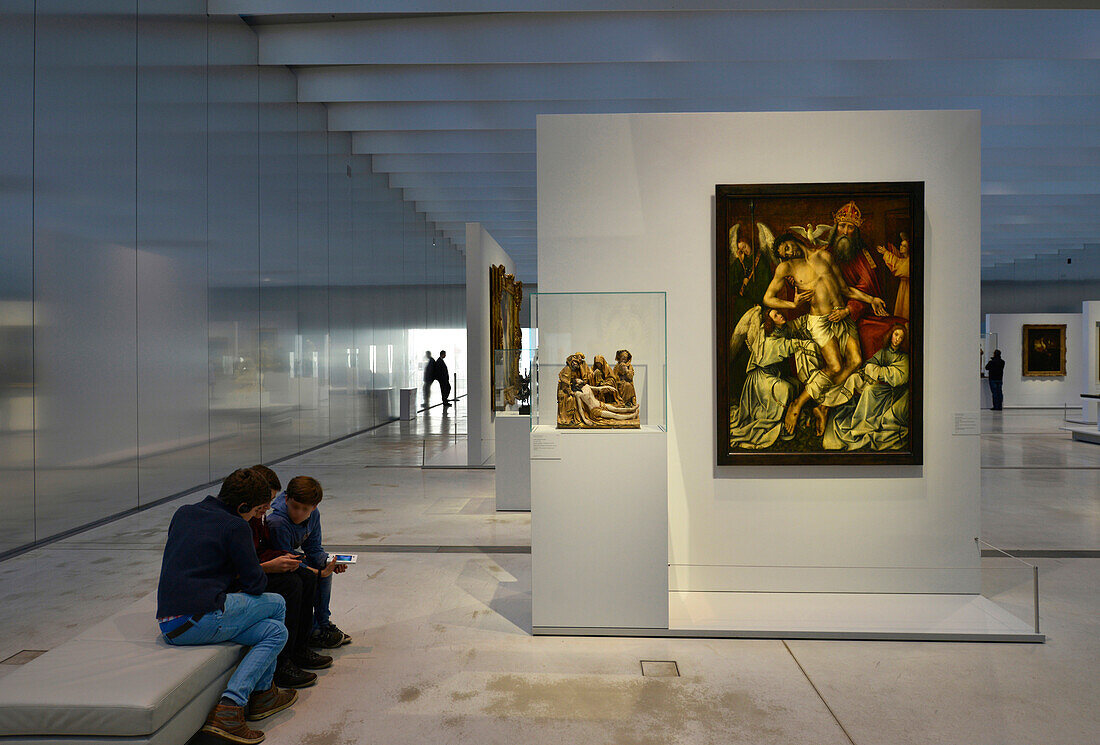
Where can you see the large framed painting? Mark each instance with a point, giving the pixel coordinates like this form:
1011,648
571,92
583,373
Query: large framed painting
1044,350
505,337
818,303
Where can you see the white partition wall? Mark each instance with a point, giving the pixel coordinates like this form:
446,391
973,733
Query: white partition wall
481,252
1037,392
626,203
1090,357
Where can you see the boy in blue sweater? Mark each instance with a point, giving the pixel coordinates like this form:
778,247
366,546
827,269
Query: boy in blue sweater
212,590
295,525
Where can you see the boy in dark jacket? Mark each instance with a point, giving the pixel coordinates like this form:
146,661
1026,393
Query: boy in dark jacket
295,525
298,586
209,553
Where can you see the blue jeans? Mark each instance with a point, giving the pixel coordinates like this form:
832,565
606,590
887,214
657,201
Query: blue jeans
255,621
321,613
995,389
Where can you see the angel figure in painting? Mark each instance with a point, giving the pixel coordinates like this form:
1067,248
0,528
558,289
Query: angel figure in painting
624,374
757,420
897,261
879,417
749,272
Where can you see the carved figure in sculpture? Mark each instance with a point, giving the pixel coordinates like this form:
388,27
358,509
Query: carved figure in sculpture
624,374
603,377
579,403
567,405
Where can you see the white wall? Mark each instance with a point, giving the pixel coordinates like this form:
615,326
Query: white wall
629,199
481,252
1037,392
1090,352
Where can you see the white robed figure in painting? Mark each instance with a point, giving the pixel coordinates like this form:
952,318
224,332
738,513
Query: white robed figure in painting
879,417
757,421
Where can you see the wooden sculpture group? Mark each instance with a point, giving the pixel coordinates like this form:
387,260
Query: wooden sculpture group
597,397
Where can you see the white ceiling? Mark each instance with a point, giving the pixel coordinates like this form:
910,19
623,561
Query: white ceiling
444,93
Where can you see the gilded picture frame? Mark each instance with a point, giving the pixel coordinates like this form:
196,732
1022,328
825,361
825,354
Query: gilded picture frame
505,333
1043,350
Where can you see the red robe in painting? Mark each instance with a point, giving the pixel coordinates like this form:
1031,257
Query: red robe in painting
860,273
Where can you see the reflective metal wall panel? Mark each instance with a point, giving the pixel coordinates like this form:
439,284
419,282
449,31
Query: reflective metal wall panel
16,291
366,263
343,352
278,331
84,263
313,237
198,275
233,214
173,392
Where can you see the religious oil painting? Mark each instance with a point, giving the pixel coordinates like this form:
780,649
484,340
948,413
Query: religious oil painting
1044,350
819,316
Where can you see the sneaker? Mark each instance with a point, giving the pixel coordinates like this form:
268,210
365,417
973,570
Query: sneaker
310,660
328,636
227,722
289,675
265,703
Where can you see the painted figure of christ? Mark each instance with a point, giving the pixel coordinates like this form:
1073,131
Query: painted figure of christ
818,281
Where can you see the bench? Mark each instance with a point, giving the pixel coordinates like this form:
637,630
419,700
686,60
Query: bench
117,682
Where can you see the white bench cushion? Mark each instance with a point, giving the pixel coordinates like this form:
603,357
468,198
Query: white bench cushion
116,688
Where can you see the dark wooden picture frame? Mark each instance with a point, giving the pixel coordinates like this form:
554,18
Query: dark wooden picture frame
778,361
1043,352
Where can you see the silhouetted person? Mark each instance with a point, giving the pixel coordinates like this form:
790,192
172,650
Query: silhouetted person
996,369
429,378
443,375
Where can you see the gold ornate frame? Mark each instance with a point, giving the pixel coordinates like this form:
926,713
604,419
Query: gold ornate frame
505,293
1025,357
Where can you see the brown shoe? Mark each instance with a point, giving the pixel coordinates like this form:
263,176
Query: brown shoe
265,703
227,722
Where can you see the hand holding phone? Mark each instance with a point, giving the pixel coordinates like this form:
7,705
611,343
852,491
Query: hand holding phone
285,563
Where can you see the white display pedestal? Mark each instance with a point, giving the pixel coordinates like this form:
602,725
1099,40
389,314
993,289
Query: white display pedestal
599,530
513,461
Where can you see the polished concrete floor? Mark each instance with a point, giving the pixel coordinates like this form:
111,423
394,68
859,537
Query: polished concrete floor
443,654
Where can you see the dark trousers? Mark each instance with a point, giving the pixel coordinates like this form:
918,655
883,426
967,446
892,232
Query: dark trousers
427,393
998,395
299,589
445,389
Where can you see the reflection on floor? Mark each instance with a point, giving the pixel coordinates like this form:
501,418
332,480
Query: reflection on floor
443,654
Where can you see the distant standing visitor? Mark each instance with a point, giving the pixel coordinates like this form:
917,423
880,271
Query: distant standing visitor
443,375
429,378
996,369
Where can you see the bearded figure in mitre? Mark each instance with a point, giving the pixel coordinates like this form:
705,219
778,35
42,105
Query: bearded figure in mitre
860,271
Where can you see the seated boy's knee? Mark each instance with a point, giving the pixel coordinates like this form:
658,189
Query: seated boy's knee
277,605
276,631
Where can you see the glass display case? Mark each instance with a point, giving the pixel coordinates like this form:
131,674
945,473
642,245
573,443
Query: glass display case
512,380
600,360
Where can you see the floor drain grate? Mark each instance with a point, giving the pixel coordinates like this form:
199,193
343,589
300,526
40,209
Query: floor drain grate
23,657
660,669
